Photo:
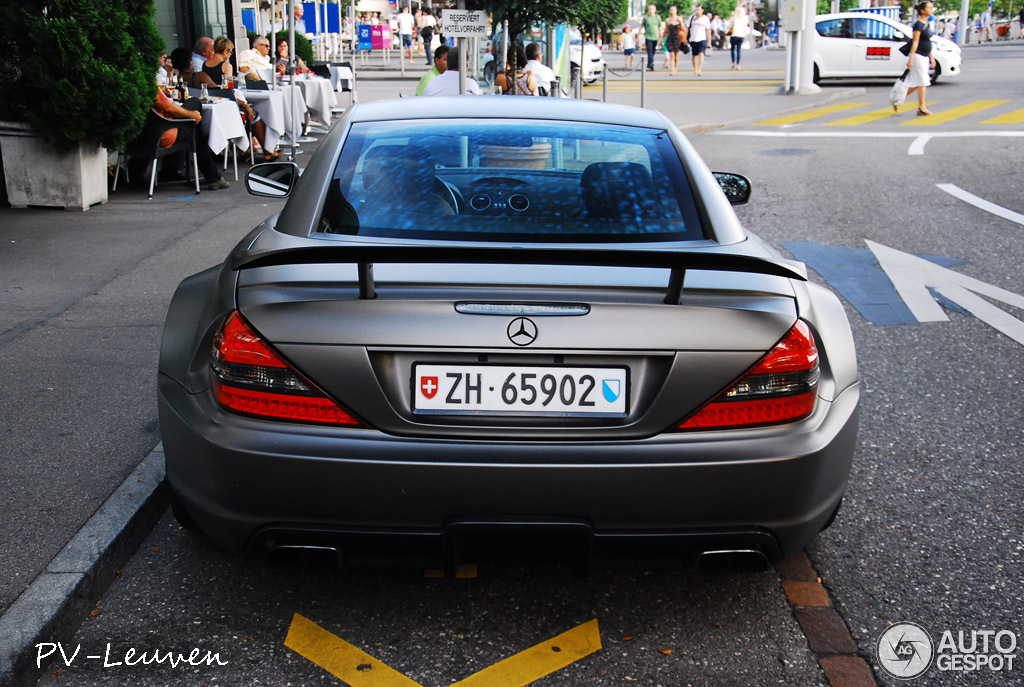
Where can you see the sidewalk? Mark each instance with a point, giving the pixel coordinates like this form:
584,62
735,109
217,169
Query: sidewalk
82,302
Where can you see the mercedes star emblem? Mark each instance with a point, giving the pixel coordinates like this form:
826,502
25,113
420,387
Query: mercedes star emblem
522,331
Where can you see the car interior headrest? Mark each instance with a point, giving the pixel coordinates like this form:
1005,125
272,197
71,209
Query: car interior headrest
617,190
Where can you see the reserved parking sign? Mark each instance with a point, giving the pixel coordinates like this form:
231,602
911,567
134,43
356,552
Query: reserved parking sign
464,23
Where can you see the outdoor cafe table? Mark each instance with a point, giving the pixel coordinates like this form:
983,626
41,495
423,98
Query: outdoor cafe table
319,97
222,122
270,105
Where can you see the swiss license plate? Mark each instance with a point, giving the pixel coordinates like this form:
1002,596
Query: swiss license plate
520,390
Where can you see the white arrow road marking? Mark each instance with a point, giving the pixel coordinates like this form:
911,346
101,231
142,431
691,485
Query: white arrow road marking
912,276
985,205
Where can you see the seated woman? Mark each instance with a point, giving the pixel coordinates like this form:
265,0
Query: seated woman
524,83
218,66
181,58
282,59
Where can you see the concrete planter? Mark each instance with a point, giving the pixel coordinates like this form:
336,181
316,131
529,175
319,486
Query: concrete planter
36,173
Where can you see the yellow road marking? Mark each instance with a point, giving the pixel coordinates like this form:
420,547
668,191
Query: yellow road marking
536,662
809,114
954,113
357,668
1016,117
874,116
339,658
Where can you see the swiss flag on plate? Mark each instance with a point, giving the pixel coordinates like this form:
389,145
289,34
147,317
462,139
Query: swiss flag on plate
428,385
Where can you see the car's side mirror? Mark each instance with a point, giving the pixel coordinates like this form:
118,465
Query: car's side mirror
272,179
736,187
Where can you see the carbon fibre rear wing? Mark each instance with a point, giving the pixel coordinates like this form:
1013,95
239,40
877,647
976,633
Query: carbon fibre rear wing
718,259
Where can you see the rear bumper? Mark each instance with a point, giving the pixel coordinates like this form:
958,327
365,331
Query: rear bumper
252,485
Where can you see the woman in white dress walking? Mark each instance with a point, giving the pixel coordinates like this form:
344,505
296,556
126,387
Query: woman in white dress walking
921,59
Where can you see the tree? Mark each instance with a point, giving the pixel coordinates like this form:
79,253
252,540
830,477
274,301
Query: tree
79,70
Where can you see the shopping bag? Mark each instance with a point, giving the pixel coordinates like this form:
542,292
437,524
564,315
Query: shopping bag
898,93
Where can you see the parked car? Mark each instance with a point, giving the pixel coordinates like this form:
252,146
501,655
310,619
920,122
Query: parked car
483,326
859,44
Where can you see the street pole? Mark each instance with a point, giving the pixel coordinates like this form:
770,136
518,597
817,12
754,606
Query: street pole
643,80
961,24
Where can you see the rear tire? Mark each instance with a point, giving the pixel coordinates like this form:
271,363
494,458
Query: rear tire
937,73
817,75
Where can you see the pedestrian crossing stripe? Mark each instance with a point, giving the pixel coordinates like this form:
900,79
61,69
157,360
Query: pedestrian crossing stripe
954,113
874,116
1015,117
810,114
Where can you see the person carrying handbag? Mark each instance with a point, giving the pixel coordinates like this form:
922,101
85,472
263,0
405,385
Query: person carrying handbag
739,29
919,52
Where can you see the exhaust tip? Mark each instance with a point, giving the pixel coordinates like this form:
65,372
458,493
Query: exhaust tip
303,555
733,560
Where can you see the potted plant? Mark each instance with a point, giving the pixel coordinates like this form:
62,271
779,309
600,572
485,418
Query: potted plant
76,79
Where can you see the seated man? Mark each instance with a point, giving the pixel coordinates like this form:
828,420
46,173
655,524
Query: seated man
256,58
541,72
448,82
440,67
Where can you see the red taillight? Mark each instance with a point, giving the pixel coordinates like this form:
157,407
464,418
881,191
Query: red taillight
250,378
782,387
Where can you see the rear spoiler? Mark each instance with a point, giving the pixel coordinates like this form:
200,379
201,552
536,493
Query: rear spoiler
365,255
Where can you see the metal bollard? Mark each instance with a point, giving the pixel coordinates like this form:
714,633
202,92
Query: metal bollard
556,87
578,85
643,80
604,84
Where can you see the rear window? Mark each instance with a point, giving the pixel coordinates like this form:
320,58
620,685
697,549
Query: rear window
497,180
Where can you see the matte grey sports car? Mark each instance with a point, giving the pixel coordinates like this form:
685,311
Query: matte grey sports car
491,325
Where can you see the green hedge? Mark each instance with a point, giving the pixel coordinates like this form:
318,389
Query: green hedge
79,70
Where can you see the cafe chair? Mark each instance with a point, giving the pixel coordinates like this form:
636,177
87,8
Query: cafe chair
147,145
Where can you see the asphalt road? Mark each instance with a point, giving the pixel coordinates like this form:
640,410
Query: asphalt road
931,530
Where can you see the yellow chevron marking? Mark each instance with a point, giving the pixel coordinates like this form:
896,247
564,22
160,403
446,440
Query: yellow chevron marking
954,113
356,668
1016,117
810,114
874,116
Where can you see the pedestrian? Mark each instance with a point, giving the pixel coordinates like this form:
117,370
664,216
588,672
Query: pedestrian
628,46
651,24
986,25
700,27
1020,18
920,58
717,28
739,29
406,22
674,35
427,33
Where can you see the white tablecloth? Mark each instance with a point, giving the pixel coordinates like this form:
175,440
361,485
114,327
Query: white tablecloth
299,106
270,105
222,122
318,94
341,77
